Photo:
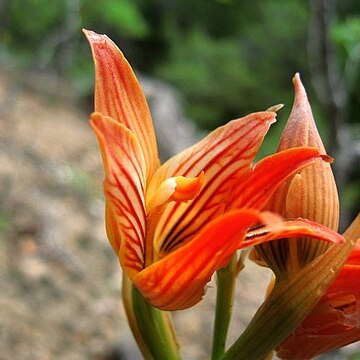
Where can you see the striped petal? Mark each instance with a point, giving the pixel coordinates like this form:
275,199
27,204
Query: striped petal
178,280
310,194
112,229
119,95
124,190
257,188
292,229
225,156
178,188
319,200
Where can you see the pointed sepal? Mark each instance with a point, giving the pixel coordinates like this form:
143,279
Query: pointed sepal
118,95
124,186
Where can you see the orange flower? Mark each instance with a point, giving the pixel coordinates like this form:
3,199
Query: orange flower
166,222
335,320
310,194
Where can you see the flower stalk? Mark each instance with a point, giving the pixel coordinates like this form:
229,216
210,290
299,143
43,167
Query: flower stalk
152,328
226,279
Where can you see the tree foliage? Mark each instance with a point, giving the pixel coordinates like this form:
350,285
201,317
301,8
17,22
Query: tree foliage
227,57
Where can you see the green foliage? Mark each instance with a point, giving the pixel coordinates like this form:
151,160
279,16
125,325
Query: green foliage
31,19
121,16
227,57
347,34
4,222
355,356
232,58
126,16
207,72
46,34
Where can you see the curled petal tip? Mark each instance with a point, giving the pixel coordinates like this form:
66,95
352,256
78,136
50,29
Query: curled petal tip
94,37
96,116
178,188
301,98
327,158
296,78
118,95
298,85
188,188
275,108
272,220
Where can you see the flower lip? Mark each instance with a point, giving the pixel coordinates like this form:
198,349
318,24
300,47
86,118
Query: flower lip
177,188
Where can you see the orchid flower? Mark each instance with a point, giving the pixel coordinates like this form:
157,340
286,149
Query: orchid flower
312,194
335,320
304,268
174,225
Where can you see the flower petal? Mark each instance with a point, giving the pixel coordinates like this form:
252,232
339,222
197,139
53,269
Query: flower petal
320,201
310,194
178,280
178,188
257,188
225,156
300,128
291,300
292,228
119,95
318,189
112,229
124,190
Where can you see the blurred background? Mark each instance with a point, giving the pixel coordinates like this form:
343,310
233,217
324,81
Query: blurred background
201,64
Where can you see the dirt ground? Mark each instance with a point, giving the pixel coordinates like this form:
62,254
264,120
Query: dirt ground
60,282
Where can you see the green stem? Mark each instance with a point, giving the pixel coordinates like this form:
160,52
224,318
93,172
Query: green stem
226,278
156,329
151,327
288,304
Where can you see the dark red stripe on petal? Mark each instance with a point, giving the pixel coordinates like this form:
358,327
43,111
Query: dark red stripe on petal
209,203
127,222
178,280
119,95
213,197
124,188
198,153
225,156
